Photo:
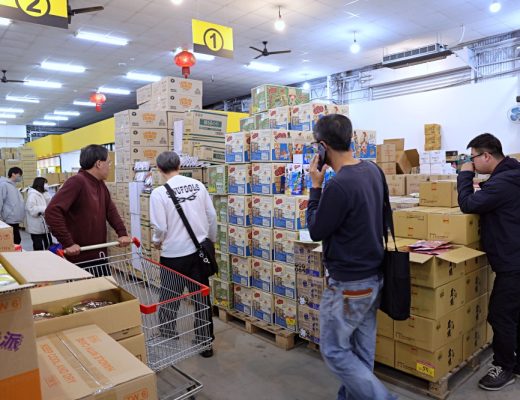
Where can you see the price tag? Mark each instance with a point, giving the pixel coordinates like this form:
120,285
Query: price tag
425,369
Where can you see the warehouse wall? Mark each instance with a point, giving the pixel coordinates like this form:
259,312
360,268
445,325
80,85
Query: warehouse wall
463,112
12,135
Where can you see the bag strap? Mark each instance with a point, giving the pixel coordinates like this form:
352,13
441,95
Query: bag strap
183,217
388,220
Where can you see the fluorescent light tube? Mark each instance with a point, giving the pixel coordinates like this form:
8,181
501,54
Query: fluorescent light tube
8,116
3,122
263,67
5,22
110,90
44,123
11,110
83,103
62,67
98,37
43,84
21,99
136,76
69,113
55,118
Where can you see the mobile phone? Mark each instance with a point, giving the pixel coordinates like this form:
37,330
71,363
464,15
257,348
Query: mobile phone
322,155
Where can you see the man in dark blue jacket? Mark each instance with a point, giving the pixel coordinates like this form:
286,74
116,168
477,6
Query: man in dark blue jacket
347,215
498,203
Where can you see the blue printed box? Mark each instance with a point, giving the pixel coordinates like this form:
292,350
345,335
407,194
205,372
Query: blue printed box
237,147
262,275
241,270
310,290
262,243
271,145
239,179
239,210
285,313
262,209
284,245
284,280
262,305
268,178
289,212
239,240
242,299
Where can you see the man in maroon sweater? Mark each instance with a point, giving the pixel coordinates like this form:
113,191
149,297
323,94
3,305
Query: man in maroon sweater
78,212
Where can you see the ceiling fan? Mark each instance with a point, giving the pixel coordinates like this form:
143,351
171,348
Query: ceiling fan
72,12
265,52
5,80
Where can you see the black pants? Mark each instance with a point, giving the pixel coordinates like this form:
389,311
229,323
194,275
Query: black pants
41,241
190,267
504,318
16,233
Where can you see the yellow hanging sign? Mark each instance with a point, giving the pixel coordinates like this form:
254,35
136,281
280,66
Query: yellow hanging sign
43,12
212,39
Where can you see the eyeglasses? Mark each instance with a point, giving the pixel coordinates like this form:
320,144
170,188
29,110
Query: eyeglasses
475,156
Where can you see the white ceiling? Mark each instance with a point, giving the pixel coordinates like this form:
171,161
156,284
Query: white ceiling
318,31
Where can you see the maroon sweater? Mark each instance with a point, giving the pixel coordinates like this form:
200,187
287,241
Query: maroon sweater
78,212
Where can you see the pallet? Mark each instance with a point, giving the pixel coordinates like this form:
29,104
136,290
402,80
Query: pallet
274,334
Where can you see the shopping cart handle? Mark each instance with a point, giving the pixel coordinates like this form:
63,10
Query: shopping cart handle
135,241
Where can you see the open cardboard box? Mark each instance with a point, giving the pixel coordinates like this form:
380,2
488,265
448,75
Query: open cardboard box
120,320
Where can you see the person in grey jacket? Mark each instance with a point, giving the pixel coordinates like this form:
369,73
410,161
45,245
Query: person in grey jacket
12,208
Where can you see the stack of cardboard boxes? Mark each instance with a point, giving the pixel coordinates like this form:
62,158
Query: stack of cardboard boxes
435,163
432,137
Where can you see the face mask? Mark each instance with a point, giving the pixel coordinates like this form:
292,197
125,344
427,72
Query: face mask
18,179
46,187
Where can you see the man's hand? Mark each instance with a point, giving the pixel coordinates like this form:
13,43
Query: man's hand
317,177
124,241
73,250
468,167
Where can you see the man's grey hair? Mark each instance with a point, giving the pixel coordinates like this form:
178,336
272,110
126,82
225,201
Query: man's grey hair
168,161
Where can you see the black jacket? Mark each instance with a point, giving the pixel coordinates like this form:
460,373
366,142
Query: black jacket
498,203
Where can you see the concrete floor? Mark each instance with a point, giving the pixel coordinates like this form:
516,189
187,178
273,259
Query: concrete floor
248,367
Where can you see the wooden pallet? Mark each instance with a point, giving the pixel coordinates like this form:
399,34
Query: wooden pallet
274,334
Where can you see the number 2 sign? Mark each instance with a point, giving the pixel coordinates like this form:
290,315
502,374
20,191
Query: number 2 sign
44,12
212,39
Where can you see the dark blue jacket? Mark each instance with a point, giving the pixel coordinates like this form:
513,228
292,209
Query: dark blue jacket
498,203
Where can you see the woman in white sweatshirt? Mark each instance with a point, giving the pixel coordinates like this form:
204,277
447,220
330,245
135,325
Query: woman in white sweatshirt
37,200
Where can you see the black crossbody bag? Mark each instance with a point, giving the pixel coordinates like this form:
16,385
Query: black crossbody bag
206,249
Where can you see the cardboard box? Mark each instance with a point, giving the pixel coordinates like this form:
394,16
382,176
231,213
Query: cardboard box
396,185
248,124
475,312
240,240
262,210
218,179
143,94
305,115
120,320
262,243
19,373
413,182
309,324
385,325
173,84
303,255
265,97
243,299
262,305
490,279
398,143
285,313
429,334
389,168
221,208
239,179
407,160
131,119
146,236
136,346
284,245
222,243
294,177
241,268
52,269
434,271
401,202
431,366
290,212
386,153
309,290
6,237
262,120
224,266
424,157
437,168
455,227
271,145
238,147
149,137
434,303
147,153
239,210
474,340
280,117
222,293
385,351
284,280
262,275
210,124
438,194
476,284
69,359
177,102
268,178
411,223
303,148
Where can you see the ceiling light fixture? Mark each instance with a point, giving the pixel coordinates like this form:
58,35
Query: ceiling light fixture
83,103
306,86
3,122
136,76
21,99
98,37
5,22
63,67
8,116
43,84
279,24
68,113
198,56
177,2
44,123
11,110
495,6
355,47
55,118
110,90
263,67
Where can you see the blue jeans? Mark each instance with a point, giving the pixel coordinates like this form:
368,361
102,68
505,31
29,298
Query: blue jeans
348,337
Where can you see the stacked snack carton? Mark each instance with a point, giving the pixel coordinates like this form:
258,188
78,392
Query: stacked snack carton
435,162
432,137
28,165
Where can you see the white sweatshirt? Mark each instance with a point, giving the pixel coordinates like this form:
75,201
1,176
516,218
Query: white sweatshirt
168,228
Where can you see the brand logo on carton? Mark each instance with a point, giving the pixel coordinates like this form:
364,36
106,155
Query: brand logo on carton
149,135
11,304
142,394
186,85
150,153
149,117
185,102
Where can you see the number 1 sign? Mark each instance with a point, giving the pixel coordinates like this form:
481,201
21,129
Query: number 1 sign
212,39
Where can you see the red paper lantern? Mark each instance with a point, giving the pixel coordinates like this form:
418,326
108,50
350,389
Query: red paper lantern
99,99
185,60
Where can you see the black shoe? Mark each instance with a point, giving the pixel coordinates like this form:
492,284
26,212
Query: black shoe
207,353
496,379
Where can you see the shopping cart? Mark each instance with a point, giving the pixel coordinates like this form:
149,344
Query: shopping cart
174,310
